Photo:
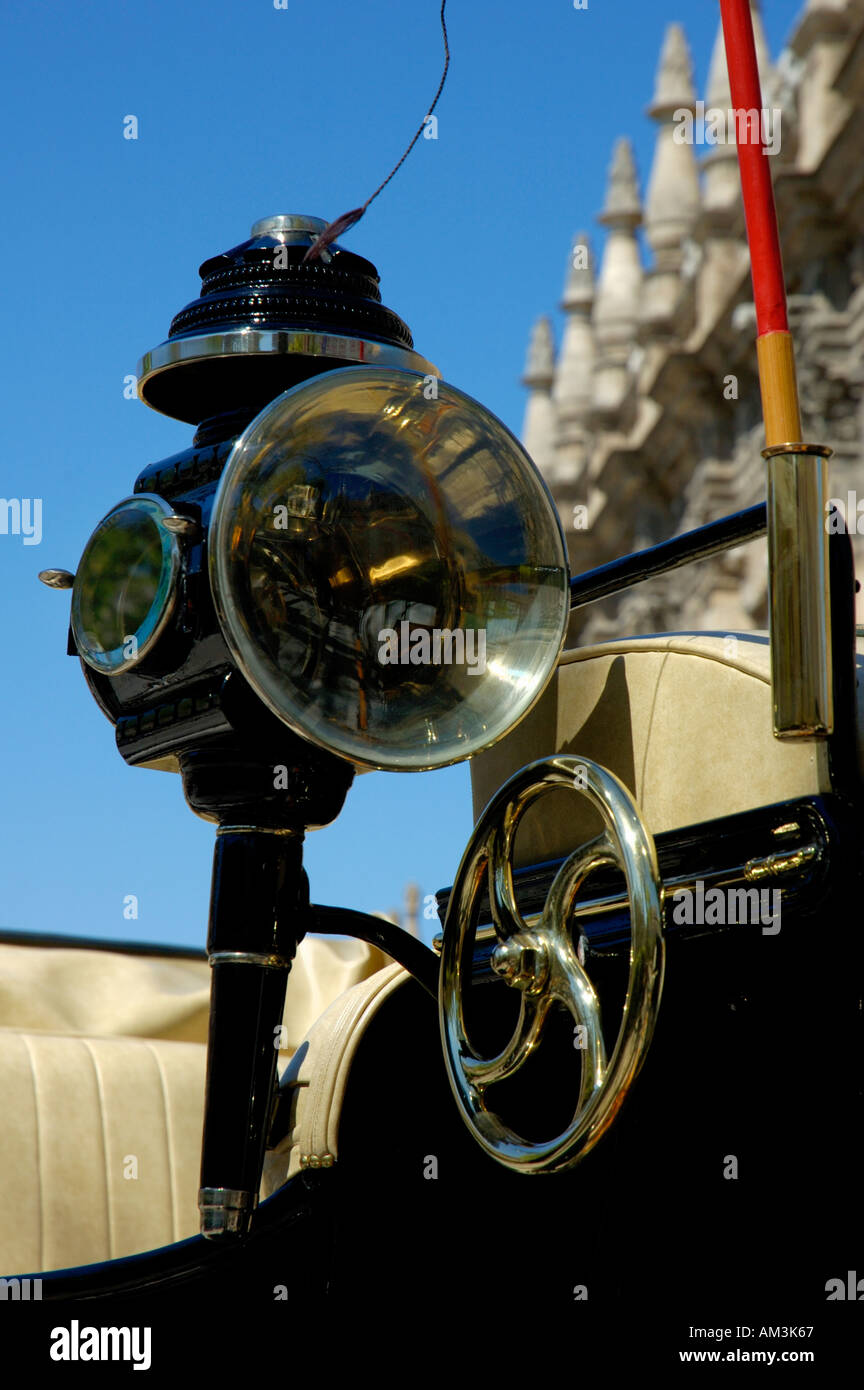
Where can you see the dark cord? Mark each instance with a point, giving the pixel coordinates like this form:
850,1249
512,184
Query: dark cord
341,224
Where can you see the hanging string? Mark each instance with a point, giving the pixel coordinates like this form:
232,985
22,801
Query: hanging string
341,224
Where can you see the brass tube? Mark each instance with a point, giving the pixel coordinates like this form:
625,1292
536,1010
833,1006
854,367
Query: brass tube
799,600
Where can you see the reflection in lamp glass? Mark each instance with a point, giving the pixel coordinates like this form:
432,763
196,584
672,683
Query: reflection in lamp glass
389,570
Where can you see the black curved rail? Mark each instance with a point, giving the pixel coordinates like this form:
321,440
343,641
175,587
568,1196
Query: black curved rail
394,941
700,544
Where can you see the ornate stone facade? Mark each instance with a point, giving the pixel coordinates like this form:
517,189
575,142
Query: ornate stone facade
648,421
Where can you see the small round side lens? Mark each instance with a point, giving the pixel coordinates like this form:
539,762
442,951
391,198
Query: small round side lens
125,585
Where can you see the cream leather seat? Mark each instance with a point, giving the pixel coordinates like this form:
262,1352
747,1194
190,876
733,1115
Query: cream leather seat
684,719
102,1063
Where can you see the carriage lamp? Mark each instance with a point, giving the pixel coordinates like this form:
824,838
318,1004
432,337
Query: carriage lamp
354,566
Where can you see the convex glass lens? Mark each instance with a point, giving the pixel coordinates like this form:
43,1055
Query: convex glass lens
388,568
124,587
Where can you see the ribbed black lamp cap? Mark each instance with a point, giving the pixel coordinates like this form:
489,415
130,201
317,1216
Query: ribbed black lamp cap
265,319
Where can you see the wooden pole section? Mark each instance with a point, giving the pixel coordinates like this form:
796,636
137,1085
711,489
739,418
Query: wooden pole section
774,348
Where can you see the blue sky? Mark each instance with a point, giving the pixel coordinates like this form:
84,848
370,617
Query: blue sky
246,110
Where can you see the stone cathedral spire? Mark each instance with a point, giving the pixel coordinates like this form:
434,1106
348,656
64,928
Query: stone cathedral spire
822,42
672,202
573,392
763,57
616,308
538,433
651,423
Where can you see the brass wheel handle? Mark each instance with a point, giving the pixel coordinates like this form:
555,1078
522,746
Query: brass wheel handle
542,963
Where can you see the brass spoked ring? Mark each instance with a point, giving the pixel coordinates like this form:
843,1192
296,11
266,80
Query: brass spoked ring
541,961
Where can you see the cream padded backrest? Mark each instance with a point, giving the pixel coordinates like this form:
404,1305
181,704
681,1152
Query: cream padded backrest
99,1148
683,719
71,990
102,1065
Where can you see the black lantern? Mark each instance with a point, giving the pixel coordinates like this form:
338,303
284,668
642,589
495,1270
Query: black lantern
354,566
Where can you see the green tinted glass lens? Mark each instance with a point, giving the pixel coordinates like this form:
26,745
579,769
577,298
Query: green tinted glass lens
124,586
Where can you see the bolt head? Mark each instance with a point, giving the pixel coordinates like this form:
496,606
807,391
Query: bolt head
57,579
522,965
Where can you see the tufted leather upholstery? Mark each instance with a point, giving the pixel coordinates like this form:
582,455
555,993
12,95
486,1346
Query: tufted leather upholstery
102,1062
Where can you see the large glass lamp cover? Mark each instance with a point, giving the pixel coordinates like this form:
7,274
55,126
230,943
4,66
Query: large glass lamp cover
389,568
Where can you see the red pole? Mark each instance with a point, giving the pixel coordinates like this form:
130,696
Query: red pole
774,344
